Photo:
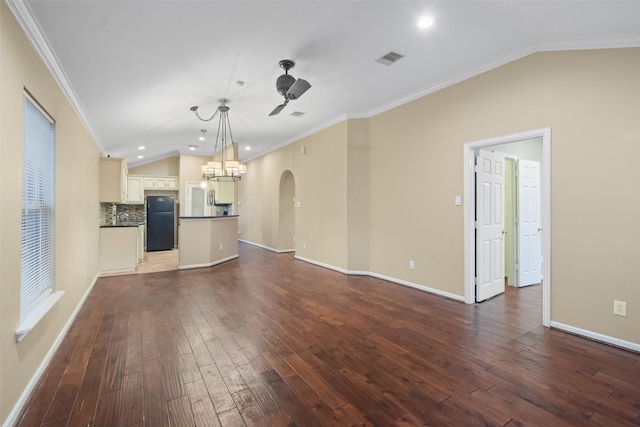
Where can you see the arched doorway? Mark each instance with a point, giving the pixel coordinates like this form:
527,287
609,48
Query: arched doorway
287,214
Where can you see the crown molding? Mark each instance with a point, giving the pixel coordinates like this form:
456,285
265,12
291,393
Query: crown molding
24,17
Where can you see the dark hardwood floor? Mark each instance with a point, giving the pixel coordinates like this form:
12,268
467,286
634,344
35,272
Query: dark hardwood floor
268,340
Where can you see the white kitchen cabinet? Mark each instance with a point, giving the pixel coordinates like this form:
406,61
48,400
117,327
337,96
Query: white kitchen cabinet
113,180
149,182
141,242
124,182
135,190
166,183
118,250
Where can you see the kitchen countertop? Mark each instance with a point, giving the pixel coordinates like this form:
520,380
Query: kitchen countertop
208,217
123,224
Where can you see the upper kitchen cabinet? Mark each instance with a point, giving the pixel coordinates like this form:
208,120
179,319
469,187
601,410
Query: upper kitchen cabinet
113,180
135,190
169,183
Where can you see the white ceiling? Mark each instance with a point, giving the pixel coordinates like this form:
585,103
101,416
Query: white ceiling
134,68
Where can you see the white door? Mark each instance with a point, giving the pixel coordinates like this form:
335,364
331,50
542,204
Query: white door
489,225
529,230
196,200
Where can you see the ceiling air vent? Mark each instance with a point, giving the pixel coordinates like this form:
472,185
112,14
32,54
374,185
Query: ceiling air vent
389,58
297,114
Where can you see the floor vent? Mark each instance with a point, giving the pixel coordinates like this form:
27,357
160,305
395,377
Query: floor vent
389,58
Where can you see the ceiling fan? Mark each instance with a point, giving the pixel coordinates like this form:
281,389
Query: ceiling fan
288,86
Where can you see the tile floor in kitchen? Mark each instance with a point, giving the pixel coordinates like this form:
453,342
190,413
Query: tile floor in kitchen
158,261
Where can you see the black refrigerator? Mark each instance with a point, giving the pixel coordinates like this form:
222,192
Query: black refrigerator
160,223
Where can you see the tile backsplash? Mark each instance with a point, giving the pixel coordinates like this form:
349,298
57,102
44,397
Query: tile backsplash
134,212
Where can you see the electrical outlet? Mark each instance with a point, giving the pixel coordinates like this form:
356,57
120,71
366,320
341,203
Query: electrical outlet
220,246
620,308
304,245
412,265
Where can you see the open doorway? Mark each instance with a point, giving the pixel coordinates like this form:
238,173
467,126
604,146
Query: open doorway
287,213
498,163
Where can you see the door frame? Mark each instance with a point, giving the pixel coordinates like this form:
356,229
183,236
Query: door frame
545,200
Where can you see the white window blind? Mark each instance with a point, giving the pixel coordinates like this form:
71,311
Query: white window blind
38,197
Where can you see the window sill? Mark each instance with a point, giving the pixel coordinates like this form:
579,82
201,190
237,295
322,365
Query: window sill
34,318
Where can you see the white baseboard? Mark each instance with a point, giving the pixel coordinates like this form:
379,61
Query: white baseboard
270,249
419,287
628,345
321,264
207,264
383,277
617,342
12,419
567,328
120,272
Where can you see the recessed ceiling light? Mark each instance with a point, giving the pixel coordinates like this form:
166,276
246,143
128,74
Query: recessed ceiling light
192,147
425,22
142,147
247,148
140,157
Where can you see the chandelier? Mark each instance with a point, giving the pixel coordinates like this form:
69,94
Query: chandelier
225,165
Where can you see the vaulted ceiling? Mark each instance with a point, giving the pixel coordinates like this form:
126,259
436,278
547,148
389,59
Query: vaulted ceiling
132,69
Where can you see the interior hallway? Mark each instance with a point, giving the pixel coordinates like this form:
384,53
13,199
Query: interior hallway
269,340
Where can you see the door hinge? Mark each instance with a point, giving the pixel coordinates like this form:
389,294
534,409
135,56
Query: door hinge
475,281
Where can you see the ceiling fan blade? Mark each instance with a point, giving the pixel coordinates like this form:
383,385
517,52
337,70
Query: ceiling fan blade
298,88
278,109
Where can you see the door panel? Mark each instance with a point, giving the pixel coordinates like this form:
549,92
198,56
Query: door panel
196,203
529,251
490,225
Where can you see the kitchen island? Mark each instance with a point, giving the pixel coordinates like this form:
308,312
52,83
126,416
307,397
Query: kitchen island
207,240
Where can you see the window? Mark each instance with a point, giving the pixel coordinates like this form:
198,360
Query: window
38,197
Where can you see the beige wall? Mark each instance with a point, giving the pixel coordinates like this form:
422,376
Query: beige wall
320,176
164,167
589,99
76,213
358,195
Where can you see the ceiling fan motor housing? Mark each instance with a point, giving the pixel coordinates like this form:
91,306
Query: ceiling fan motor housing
283,83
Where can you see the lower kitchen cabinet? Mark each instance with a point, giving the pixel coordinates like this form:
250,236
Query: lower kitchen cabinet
118,250
141,242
